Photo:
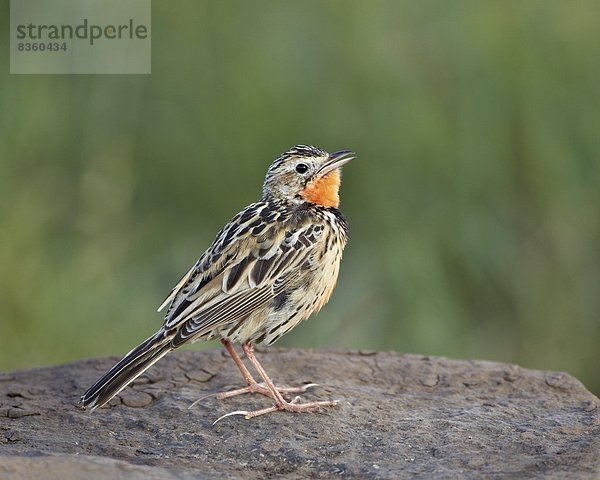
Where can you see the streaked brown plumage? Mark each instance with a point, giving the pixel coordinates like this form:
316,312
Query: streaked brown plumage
272,266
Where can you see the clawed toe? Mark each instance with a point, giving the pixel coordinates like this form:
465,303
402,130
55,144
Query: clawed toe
293,406
230,414
252,388
202,398
266,388
260,388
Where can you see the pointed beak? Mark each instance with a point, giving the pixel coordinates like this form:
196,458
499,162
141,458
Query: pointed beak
336,160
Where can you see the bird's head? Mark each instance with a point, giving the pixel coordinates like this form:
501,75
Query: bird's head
307,174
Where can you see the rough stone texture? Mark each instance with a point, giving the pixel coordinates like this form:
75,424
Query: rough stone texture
401,416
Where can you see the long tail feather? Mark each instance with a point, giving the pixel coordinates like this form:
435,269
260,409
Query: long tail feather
126,370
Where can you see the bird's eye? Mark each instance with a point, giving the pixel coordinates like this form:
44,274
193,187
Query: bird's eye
301,168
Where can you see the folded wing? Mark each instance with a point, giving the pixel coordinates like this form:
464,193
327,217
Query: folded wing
251,261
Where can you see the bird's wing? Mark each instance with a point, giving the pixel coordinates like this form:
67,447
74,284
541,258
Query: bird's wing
212,263
227,309
253,259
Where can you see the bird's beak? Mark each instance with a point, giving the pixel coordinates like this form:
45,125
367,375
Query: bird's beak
335,160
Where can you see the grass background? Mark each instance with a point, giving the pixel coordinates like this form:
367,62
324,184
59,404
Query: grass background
474,204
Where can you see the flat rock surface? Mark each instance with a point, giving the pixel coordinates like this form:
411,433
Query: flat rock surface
400,416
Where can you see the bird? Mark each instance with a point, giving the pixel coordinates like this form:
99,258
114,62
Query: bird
272,266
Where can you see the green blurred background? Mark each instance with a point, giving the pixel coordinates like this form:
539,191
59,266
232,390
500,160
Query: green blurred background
474,204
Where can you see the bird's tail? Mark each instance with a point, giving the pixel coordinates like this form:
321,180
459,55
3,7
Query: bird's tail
126,370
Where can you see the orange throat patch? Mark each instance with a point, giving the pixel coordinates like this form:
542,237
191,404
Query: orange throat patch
324,191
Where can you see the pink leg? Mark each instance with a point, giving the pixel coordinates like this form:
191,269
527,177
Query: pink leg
240,364
252,385
280,402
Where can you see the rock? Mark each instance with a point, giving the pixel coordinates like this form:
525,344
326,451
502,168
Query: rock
400,416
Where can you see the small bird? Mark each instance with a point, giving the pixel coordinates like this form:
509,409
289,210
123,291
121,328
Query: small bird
272,266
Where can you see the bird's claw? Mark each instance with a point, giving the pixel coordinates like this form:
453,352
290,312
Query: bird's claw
255,388
297,407
248,415
237,412
203,397
306,386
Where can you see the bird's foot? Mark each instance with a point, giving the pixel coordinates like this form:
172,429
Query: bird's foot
267,388
255,387
264,390
293,406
